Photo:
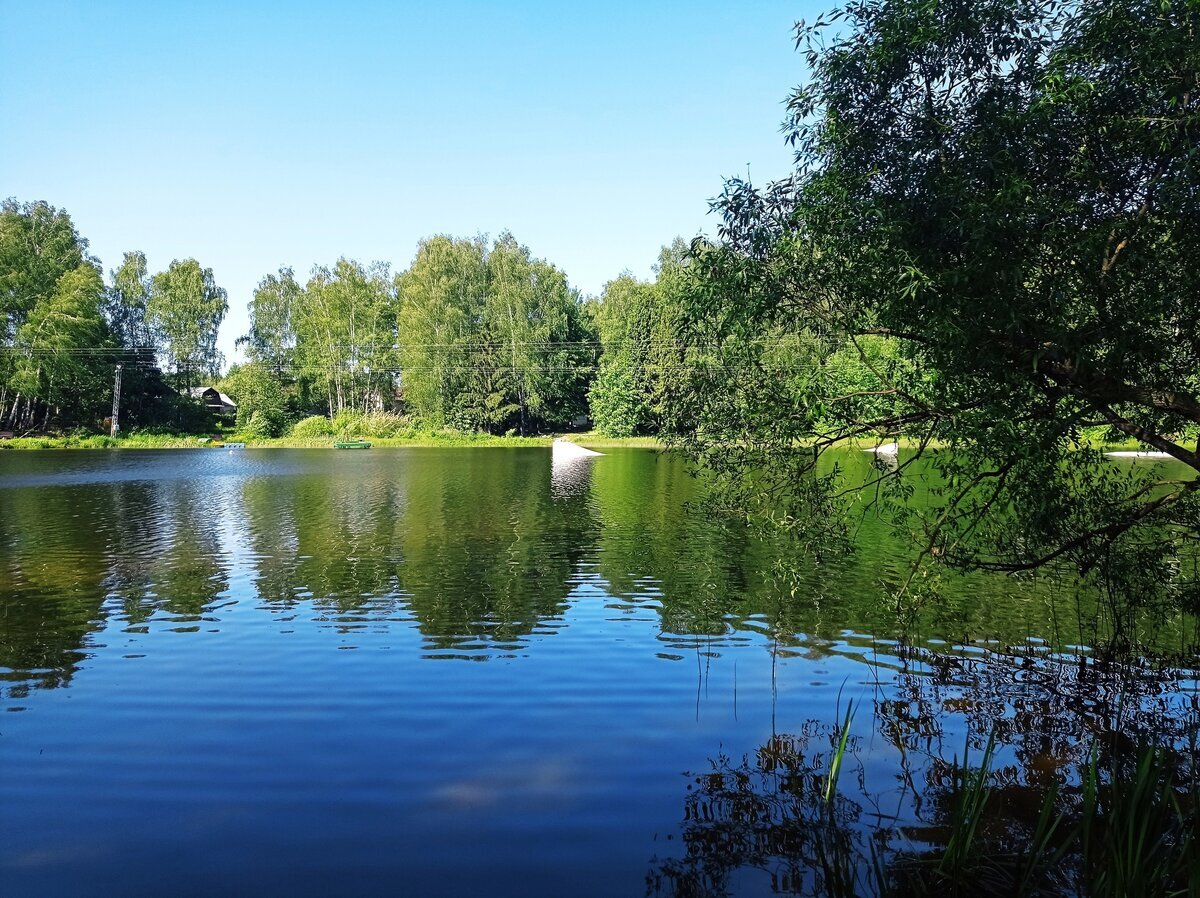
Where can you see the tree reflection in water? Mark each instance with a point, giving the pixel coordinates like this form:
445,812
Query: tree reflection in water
1075,777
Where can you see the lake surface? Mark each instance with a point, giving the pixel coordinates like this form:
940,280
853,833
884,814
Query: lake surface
469,672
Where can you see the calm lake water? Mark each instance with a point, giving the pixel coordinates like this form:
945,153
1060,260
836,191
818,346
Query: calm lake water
468,672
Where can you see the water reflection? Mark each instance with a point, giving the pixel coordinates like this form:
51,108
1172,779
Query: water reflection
478,550
570,476
771,816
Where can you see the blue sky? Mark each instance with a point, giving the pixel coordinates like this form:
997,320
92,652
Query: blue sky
254,135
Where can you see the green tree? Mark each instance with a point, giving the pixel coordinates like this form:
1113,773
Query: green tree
491,338
38,246
345,324
528,318
618,400
263,408
272,336
1007,191
520,316
441,301
57,363
638,325
186,307
128,302
126,310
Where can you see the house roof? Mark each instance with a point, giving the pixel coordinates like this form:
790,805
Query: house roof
198,393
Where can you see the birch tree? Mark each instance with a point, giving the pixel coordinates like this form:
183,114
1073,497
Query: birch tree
186,306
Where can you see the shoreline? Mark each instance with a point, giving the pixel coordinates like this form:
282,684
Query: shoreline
432,440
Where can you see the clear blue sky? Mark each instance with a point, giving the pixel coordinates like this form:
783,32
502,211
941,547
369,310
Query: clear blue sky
253,135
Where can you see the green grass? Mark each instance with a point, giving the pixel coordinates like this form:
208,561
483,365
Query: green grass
596,440
101,441
413,438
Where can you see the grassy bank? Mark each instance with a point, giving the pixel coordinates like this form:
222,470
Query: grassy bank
410,437
413,439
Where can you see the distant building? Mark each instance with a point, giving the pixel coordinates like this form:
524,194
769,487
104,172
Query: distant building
214,400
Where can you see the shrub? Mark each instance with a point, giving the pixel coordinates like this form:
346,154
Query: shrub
314,426
375,424
259,426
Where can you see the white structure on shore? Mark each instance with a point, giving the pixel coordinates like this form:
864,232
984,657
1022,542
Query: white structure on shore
892,448
565,451
570,469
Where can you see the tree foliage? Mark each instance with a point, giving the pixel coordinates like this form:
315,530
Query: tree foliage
491,338
186,307
272,336
51,299
345,324
1001,198
441,305
640,363
263,408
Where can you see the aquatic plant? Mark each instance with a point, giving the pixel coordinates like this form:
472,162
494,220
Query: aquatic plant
1125,825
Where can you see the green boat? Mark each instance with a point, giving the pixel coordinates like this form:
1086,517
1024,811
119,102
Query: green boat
353,444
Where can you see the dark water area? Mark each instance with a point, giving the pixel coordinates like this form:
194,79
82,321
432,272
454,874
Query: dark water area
474,672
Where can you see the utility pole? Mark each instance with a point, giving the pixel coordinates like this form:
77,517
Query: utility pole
116,402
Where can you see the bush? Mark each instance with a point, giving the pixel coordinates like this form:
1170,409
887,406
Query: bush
375,424
311,427
259,426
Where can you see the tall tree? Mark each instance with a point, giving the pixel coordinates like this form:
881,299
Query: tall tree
441,301
532,320
187,307
59,364
1008,190
345,325
127,312
128,302
637,323
272,336
39,246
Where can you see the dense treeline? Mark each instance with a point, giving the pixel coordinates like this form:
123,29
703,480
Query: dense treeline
476,335
63,329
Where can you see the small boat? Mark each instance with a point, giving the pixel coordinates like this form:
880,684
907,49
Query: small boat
352,444
235,445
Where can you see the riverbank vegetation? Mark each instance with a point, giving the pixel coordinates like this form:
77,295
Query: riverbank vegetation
397,434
